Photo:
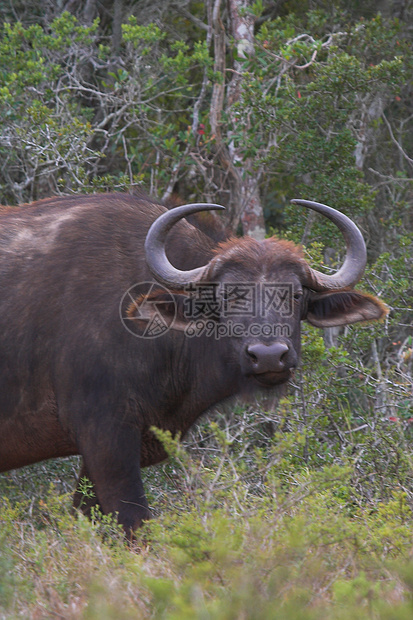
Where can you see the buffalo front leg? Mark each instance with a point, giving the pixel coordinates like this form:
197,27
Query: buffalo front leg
111,461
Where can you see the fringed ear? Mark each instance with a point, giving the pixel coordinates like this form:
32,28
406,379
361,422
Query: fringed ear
344,307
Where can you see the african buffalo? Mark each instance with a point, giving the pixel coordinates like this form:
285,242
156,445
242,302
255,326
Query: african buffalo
81,373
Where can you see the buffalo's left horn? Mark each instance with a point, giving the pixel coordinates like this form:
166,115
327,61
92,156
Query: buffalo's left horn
161,268
356,257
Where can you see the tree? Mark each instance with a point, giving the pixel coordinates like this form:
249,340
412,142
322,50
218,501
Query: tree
245,202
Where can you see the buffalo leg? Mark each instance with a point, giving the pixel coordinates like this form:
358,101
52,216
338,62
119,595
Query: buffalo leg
112,463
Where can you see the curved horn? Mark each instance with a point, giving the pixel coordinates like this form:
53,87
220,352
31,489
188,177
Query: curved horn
356,257
161,268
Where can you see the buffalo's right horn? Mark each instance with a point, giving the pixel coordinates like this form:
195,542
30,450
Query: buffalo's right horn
161,268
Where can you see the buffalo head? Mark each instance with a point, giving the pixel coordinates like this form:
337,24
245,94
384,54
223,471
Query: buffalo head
261,291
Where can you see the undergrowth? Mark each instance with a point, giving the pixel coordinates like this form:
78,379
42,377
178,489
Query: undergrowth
240,531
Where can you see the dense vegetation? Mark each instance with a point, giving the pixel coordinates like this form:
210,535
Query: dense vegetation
299,508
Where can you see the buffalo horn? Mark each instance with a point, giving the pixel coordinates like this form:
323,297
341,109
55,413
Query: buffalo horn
356,256
161,268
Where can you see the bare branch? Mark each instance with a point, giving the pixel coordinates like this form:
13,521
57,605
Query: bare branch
199,101
217,99
198,22
396,142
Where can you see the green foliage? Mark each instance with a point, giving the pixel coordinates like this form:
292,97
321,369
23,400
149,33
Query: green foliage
136,34
45,138
303,548
65,123
312,98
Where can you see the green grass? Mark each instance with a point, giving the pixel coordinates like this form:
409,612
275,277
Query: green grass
241,531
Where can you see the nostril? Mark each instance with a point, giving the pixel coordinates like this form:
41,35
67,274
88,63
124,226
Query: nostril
251,355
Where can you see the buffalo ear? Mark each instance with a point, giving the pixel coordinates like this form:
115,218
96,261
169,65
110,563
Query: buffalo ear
342,308
158,311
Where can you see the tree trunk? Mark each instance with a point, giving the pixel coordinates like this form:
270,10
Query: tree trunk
117,26
242,30
241,180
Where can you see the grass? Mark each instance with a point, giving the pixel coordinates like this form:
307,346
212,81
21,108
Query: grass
243,529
